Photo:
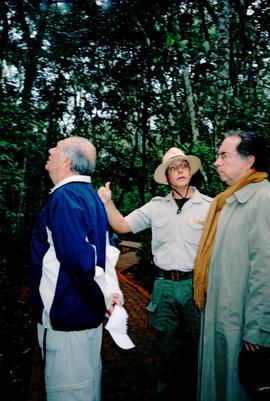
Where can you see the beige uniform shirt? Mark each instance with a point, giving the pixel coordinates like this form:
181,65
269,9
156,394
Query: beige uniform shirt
175,237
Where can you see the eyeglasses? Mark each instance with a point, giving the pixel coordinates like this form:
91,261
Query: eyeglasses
175,167
223,156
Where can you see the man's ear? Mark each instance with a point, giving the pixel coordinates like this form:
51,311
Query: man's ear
250,161
67,161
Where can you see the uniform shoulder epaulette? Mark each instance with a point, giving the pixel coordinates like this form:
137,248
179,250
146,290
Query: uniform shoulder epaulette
157,198
207,198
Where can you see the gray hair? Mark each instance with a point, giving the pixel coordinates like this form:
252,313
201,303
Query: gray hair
82,154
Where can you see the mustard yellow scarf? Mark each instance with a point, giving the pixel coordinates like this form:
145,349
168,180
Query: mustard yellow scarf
209,233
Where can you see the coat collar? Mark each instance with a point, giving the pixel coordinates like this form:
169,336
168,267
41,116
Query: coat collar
244,194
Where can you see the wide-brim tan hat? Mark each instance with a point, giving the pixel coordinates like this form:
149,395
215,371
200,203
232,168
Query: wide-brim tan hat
170,156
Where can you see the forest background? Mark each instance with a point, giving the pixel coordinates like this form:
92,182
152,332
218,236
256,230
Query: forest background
136,77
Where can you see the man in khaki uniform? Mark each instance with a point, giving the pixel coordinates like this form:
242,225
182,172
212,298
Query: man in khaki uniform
176,221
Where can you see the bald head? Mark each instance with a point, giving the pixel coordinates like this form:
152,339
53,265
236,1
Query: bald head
82,155
71,156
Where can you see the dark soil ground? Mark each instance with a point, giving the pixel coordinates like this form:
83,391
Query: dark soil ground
16,335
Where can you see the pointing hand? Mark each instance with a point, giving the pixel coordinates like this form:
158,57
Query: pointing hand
105,193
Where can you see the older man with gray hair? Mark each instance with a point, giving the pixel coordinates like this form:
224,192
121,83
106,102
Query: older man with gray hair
70,244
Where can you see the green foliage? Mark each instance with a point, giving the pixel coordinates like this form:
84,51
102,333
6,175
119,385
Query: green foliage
209,183
17,196
116,76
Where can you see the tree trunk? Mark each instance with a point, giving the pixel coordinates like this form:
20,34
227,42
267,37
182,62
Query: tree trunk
20,213
223,87
3,42
187,82
191,105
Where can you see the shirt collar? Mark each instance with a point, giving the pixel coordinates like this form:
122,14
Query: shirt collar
196,197
72,178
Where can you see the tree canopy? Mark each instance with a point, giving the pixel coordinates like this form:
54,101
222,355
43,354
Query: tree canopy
136,78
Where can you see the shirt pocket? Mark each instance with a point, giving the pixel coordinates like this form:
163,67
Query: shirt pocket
160,230
193,231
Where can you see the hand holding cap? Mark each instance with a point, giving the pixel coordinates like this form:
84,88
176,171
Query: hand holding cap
117,327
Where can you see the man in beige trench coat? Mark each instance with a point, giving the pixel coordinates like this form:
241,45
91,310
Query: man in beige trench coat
234,259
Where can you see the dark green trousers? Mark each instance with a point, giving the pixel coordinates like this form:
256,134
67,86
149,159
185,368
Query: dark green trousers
176,321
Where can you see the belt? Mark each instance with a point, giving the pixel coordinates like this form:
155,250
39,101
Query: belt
174,275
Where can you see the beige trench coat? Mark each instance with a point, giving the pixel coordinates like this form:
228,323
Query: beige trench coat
238,297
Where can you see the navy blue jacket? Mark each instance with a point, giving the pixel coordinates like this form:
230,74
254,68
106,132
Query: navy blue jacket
69,240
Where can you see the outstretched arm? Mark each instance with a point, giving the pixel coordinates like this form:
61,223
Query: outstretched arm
116,219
